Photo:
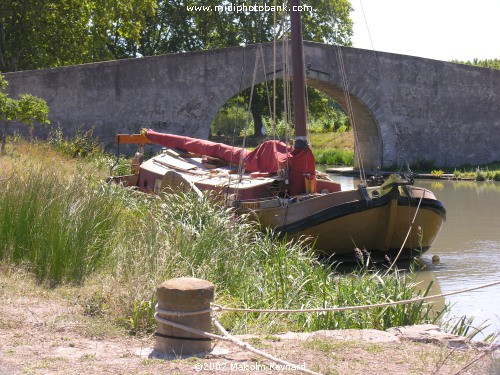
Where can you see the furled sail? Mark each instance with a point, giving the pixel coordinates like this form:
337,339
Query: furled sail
269,157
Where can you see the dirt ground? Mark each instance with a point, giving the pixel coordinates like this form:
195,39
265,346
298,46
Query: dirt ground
43,331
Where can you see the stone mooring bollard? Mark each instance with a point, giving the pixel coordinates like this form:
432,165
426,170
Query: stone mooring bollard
184,294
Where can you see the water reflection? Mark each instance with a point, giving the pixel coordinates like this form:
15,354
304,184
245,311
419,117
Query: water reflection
468,247
437,186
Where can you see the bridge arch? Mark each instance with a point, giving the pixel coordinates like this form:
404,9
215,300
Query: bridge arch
368,114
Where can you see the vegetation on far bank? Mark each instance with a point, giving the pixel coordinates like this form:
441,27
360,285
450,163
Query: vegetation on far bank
332,141
489,172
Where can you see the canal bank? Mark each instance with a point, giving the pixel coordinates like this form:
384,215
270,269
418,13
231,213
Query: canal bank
477,175
43,331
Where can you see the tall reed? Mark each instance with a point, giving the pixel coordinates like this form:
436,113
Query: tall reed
60,228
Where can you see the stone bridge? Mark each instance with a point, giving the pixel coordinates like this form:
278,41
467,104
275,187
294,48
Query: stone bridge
403,106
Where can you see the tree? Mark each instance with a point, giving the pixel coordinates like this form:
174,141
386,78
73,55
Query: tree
27,109
488,63
48,33
169,29
189,25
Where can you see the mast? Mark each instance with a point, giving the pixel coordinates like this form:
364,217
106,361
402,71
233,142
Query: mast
298,75
302,173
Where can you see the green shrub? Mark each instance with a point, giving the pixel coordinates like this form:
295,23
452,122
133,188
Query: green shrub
480,175
229,121
335,122
437,173
80,145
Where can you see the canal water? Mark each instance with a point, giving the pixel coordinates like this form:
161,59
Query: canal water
468,247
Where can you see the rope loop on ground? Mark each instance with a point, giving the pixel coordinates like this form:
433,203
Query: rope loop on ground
229,338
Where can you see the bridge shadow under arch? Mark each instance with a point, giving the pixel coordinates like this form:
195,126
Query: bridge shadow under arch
365,124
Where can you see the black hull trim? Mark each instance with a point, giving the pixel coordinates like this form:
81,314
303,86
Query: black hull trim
350,208
429,204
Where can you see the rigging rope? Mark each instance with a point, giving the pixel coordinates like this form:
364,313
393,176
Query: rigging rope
382,84
274,70
407,234
350,111
265,84
233,141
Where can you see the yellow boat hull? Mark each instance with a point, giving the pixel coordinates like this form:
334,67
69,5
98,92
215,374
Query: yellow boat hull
385,221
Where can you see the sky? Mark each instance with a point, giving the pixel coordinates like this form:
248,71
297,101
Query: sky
436,29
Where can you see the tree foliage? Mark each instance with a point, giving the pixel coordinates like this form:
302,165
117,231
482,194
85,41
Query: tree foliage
179,26
48,33
488,63
27,109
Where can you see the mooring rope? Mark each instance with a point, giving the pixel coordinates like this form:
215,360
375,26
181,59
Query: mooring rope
229,338
346,308
181,313
217,308
407,234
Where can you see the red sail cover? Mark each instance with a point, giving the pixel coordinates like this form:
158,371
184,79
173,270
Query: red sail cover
271,156
198,146
268,157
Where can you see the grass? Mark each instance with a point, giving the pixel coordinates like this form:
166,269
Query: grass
466,326
117,247
59,229
328,346
334,157
335,148
332,140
